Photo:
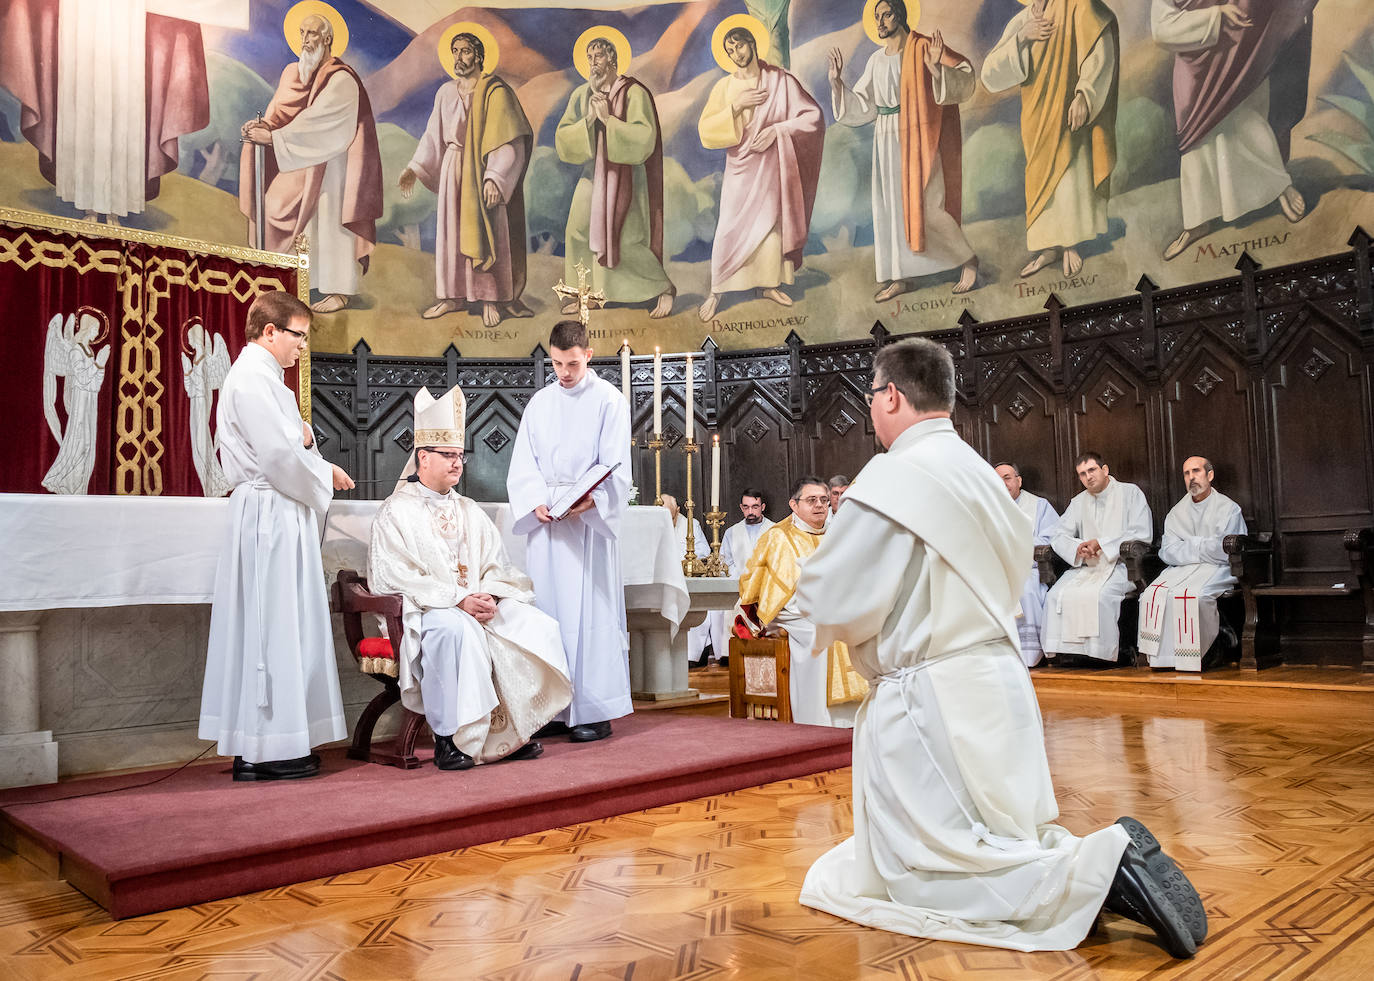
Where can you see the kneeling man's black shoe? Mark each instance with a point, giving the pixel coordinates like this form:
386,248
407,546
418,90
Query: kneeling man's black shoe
297,769
1137,896
530,751
449,757
589,732
1167,873
554,728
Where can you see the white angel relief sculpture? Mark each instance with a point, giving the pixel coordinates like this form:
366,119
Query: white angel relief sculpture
70,354
204,363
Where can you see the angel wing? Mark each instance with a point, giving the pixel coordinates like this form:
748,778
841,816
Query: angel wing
217,362
57,352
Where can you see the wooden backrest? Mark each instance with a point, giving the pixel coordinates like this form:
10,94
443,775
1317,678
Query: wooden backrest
760,679
349,595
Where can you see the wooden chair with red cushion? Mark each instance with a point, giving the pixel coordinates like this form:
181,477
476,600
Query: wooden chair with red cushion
376,656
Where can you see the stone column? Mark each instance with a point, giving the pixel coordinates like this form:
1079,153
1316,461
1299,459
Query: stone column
28,754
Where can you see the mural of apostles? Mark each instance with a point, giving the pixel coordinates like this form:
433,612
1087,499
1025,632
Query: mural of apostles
1234,117
910,90
1063,54
473,155
322,171
773,134
615,225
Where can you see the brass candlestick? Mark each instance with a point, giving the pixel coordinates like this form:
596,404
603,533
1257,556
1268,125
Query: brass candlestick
691,565
715,565
656,444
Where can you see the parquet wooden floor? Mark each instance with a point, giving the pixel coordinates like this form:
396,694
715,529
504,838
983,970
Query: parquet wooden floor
1272,818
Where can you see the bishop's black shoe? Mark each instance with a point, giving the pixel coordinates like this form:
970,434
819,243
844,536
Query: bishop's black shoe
297,769
554,728
589,732
530,751
1137,896
1167,873
449,757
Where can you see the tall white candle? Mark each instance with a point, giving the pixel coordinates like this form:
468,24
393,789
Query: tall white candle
691,401
658,392
715,472
625,372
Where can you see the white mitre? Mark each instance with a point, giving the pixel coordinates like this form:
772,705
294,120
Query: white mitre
438,422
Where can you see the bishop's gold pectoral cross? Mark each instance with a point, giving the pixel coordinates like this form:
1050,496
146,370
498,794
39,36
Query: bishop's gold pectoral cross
584,293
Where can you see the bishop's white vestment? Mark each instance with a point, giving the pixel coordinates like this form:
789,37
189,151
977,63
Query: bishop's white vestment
271,686
1083,605
1043,520
575,562
1178,611
490,686
953,801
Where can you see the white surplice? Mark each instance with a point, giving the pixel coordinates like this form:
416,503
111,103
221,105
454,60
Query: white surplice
875,99
491,686
1178,612
321,133
1043,519
738,543
271,684
575,562
1075,212
1237,167
953,801
1083,605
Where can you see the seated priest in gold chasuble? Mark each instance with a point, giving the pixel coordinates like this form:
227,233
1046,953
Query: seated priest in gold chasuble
482,663
825,691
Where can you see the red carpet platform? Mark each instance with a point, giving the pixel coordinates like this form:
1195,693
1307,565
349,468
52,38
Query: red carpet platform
198,836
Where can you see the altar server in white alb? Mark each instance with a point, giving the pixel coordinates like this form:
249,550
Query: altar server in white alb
1043,520
953,803
271,684
1178,612
739,539
1082,606
575,561
482,664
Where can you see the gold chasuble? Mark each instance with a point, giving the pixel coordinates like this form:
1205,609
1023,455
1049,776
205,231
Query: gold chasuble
770,579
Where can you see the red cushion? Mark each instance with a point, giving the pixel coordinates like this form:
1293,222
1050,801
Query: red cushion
376,647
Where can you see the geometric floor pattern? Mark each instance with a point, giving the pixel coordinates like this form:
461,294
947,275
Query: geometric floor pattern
1272,818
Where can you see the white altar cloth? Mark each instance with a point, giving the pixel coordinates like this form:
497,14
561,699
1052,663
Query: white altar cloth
64,552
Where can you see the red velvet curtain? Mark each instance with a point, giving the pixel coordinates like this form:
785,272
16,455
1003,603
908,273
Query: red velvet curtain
131,364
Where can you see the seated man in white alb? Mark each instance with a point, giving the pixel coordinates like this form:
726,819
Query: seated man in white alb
825,689
1082,607
701,636
837,485
1043,519
478,659
738,542
1178,613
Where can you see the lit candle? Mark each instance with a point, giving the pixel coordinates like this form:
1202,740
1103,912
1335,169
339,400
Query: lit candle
715,472
658,392
625,372
691,401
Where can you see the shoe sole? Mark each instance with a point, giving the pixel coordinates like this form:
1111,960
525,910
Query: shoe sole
1170,877
588,739
1180,942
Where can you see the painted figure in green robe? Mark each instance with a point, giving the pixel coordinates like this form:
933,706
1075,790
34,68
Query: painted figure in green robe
615,224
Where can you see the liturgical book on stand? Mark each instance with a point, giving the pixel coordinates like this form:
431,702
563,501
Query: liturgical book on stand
587,483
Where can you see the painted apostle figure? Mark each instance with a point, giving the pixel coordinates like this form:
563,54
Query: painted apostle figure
473,155
615,223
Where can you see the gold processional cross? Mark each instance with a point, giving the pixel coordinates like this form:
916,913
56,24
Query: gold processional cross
584,293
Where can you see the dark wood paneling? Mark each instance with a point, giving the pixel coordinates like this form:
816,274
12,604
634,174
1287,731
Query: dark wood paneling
1268,373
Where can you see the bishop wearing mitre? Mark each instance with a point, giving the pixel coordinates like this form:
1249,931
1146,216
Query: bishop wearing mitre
478,658
825,689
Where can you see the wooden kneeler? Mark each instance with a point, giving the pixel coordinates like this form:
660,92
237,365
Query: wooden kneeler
376,656
759,678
